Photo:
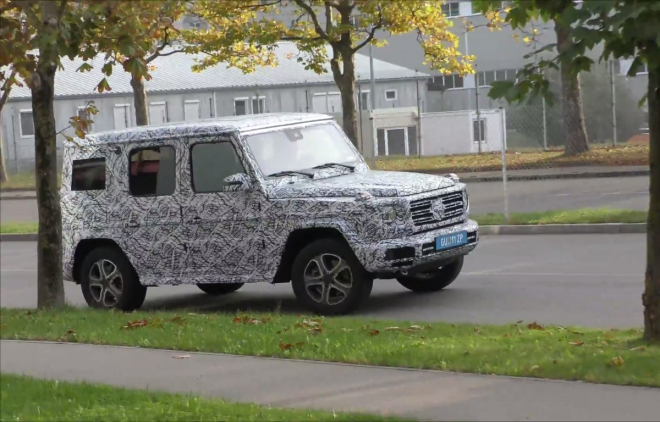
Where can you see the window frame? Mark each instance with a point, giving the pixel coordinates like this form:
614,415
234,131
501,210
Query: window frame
176,182
190,164
396,95
261,99
475,134
449,4
248,105
363,103
20,123
89,160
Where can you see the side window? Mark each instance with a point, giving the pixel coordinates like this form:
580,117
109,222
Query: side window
211,163
152,171
88,174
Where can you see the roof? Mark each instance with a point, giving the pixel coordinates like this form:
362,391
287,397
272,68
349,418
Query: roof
173,73
214,126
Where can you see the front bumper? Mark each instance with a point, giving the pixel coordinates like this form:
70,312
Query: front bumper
414,253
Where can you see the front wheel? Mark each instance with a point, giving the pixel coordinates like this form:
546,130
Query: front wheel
435,280
216,289
108,281
329,279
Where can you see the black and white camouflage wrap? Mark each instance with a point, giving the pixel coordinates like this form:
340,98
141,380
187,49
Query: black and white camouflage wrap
239,236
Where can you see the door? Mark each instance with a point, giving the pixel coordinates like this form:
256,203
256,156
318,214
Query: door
122,116
149,214
222,223
157,113
319,103
191,111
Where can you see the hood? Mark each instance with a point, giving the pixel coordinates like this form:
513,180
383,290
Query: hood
378,183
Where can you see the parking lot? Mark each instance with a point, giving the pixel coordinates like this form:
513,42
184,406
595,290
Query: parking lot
588,280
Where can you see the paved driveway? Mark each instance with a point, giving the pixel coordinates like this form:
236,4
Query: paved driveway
590,280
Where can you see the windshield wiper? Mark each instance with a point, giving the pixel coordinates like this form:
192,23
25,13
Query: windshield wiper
326,165
291,173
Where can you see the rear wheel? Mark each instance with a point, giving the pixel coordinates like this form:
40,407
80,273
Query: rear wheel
433,281
216,289
108,281
328,278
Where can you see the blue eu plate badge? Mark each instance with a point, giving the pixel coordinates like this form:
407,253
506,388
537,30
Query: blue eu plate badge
451,240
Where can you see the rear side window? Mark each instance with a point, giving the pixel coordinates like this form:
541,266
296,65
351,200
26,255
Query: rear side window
211,163
88,174
152,171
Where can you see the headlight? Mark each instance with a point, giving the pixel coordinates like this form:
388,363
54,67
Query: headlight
466,202
389,214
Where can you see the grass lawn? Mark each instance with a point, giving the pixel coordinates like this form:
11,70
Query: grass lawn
580,216
603,356
29,399
627,155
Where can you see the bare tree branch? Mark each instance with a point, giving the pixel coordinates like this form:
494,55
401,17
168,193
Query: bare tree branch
319,30
6,88
371,33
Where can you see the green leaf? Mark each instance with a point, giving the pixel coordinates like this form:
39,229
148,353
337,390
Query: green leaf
85,67
636,66
103,86
641,102
107,69
500,89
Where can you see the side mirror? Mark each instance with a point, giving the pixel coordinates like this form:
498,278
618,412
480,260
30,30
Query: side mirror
238,182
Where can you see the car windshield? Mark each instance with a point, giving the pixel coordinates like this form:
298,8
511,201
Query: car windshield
300,149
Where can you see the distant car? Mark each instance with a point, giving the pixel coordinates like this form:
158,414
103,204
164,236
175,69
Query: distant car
273,197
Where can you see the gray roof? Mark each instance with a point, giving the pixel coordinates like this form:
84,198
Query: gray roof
173,73
211,126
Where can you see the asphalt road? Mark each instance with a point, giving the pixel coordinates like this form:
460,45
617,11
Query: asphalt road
587,280
524,196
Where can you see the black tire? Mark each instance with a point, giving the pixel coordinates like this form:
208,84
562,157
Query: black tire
216,289
434,281
99,290
320,298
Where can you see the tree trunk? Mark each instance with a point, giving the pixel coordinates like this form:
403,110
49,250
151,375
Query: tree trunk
651,296
346,83
576,140
3,171
50,289
140,100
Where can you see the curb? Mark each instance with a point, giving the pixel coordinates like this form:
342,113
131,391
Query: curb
514,178
608,228
18,237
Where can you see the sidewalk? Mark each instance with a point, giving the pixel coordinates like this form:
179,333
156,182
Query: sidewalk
426,395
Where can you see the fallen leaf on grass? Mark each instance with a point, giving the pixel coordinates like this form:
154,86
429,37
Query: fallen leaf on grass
374,332
608,335
289,346
348,330
506,335
577,333
535,326
181,357
477,330
617,361
576,343
178,320
415,328
535,368
135,324
315,330
637,349
392,329
249,320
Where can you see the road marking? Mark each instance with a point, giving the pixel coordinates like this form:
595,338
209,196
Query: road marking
555,274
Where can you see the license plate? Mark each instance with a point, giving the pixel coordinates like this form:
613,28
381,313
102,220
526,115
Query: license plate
452,240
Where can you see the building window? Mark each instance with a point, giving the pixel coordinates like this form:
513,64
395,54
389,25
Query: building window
390,95
240,106
258,105
27,123
152,171
476,127
211,164
451,9
365,103
441,83
487,78
88,174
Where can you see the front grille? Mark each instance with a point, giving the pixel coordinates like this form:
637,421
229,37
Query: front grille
454,207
